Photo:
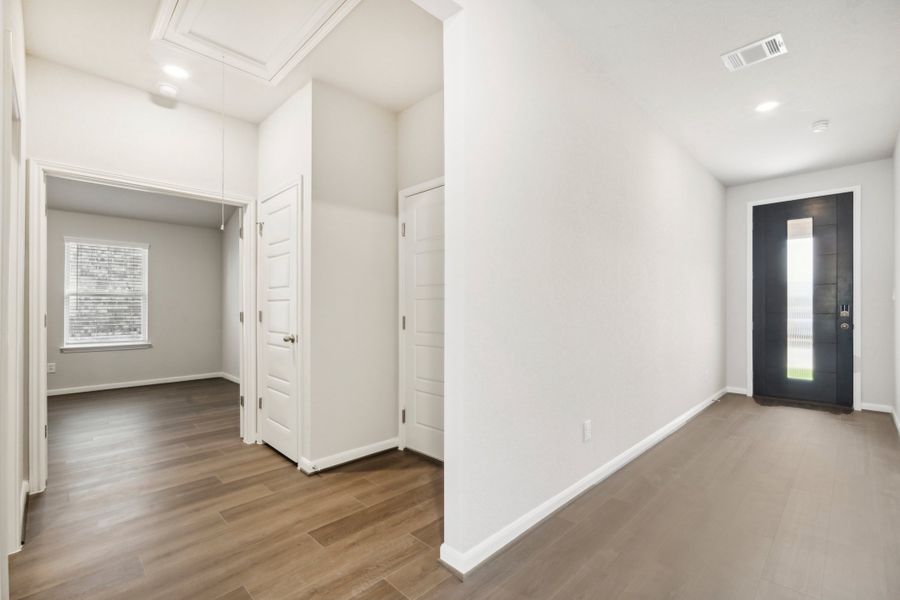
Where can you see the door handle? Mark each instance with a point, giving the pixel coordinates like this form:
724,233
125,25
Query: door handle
845,326
289,338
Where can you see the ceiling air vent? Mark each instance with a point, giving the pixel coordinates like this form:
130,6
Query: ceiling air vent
754,53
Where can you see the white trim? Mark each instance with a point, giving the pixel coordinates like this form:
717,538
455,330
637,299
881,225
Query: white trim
401,297
231,378
736,390
38,171
897,420
130,384
857,282
312,466
882,408
463,562
105,347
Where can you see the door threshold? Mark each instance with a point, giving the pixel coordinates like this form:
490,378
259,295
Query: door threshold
831,408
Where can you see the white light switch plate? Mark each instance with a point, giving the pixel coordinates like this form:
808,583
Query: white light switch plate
51,367
586,431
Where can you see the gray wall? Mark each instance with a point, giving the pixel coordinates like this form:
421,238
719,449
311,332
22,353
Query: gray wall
185,302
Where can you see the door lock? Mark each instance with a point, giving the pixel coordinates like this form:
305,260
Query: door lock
845,326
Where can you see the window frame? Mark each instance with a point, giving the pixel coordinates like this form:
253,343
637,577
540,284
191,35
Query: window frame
75,346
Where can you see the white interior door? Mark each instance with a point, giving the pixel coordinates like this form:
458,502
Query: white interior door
422,248
279,348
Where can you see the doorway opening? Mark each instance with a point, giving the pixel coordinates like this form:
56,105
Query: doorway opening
804,309
137,285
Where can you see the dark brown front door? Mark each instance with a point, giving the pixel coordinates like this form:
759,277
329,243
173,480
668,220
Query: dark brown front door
802,300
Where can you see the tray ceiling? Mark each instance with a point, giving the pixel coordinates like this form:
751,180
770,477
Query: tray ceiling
265,38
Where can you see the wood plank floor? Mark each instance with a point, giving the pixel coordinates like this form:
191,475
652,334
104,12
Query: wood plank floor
744,502
152,496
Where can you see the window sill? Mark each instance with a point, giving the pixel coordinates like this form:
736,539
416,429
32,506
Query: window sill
105,347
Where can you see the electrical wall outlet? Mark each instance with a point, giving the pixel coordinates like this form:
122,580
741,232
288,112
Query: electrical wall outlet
586,431
51,367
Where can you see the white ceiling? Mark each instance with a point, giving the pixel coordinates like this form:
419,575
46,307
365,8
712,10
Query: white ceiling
389,51
95,199
843,64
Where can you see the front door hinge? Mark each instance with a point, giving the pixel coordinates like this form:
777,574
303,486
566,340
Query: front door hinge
402,229
45,319
259,225
403,416
241,232
242,402
46,430
260,316
241,316
404,322
259,404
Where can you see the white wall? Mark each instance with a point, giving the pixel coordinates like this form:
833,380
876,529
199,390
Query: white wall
13,359
285,144
896,282
87,121
185,302
231,296
420,141
584,274
354,273
876,180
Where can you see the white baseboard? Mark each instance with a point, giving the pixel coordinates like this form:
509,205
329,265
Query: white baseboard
129,384
463,562
885,408
311,466
897,421
232,378
736,390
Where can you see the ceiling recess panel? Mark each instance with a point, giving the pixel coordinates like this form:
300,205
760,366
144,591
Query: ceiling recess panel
263,38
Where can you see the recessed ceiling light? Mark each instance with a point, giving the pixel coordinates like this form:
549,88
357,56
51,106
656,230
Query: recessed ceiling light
767,106
176,72
168,90
821,126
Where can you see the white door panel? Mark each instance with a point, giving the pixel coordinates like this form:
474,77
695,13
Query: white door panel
279,357
423,338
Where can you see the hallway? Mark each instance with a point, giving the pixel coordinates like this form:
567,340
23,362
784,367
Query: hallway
744,502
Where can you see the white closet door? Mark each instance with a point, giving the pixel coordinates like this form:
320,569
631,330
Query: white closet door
279,342
423,337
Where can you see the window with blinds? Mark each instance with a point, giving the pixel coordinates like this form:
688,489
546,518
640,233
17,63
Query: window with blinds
105,292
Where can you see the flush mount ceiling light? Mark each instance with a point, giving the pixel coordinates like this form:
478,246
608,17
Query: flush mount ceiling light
821,126
176,72
168,90
767,106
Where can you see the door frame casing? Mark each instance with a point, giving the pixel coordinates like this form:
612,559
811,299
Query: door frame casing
38,171
402,206
857,281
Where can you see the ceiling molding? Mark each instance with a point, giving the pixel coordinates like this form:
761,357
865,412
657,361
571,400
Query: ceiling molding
181,23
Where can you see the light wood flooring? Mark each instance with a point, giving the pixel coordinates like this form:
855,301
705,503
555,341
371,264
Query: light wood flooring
152,496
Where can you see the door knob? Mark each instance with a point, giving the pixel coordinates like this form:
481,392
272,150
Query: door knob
290,338
845,326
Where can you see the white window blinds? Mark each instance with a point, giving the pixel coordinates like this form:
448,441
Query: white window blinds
105,292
